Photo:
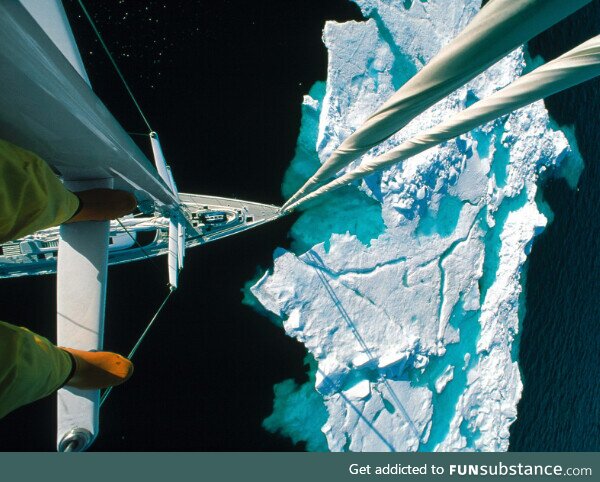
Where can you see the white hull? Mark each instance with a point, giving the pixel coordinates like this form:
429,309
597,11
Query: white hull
38,253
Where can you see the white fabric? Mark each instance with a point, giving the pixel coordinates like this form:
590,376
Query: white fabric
500,27
576,66
46,107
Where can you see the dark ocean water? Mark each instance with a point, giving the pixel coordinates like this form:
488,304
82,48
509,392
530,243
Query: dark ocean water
222,83
560,341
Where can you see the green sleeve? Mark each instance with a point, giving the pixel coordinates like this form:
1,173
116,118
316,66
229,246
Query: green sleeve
30,367
31,196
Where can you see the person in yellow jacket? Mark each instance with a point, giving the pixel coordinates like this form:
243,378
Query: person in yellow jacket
33,198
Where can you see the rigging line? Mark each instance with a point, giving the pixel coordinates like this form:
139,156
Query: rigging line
139,341
134,239
145,332
146,254
143,134
114,63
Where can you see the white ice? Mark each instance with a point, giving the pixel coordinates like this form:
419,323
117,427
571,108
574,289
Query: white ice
413,332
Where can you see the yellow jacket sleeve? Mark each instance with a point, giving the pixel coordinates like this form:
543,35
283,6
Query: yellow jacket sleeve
31,196
30,367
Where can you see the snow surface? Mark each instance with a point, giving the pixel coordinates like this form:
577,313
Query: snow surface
407,293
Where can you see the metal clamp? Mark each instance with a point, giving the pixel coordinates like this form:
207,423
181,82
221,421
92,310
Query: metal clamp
77,440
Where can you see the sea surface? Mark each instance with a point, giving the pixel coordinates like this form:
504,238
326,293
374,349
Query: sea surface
222,83
560,341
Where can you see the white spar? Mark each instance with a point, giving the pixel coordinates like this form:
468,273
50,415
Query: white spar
176,227
81,298
161,163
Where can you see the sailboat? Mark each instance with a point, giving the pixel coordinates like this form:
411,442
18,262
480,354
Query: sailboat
140,236
47,106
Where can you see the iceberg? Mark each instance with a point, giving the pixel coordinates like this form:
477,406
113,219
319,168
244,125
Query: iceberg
407,290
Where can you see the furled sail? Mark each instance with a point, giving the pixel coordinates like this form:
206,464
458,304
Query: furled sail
572,68
51,16
47,107
500,27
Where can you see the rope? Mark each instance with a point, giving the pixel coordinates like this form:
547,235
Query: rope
114,63
179,210
147,329
133,239
139,341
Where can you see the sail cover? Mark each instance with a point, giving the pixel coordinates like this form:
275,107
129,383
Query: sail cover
574,67
500,27
51,16
47,107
